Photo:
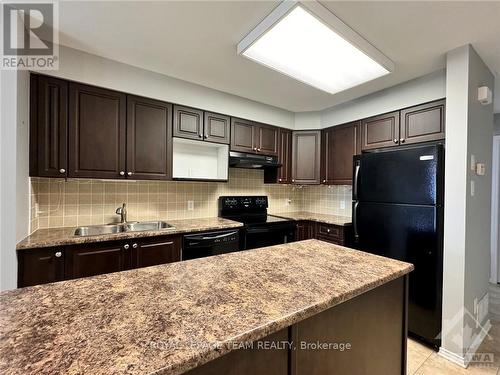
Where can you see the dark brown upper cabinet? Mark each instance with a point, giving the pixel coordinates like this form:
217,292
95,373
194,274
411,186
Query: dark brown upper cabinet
339,145
97,132
216,128
243,135
188,122
149,139
267,139
252,137
48,127
285,156
380,131
306,160
423,123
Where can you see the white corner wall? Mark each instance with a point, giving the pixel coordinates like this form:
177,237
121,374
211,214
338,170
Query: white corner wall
420,90
469,129
83,67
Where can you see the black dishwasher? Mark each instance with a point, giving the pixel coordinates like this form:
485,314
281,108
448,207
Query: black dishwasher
210,243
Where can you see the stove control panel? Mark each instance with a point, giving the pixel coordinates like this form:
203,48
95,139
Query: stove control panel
243,202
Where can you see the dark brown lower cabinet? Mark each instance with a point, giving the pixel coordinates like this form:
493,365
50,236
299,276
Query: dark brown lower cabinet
304,230
41,266
364,335
147,253
96,259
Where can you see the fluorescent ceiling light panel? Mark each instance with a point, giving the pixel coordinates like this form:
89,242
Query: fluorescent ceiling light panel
314,50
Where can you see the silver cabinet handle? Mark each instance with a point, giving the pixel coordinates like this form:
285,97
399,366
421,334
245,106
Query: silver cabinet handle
200,135
130,173
258,149
324,181
205,136
279,179
134,246
402,140
395,141
356,174
122,173
58,254
355,221
293,180
255,148
126,246
328,231
62,170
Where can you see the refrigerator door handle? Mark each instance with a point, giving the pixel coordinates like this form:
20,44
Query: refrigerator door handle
356,174
355,221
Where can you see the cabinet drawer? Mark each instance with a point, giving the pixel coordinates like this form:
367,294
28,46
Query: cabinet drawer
330,233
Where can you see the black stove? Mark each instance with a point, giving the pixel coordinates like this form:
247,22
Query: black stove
260,228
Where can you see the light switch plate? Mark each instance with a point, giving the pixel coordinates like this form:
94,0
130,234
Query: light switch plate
480,169
190,205
342,205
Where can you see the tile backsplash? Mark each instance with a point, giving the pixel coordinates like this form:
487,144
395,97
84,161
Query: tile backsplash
74,202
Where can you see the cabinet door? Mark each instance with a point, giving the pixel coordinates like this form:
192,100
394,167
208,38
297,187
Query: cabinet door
51,113
156,251
217,128
243,135
305,230
327,156
380,131
188,122
423,123
306,157
97,259
97,130
345,143
285,157
40,266
267,140
149,139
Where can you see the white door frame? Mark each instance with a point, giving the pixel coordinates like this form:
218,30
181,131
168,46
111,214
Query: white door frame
495,222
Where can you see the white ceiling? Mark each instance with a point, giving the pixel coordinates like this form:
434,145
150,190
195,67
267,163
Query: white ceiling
196,41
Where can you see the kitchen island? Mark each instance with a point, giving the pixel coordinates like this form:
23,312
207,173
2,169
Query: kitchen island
307,307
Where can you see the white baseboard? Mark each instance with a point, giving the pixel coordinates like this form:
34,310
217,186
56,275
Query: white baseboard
463,361
452,357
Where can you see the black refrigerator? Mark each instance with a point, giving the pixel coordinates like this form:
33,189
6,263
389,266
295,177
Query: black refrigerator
398,213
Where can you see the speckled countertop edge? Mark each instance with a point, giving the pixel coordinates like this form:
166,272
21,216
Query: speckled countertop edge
65,236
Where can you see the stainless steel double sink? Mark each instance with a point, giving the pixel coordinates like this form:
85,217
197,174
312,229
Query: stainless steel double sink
135,226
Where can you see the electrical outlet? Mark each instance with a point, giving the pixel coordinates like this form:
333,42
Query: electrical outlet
342,205
288,202
190,205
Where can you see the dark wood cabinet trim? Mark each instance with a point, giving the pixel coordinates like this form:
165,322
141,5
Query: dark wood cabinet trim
33,136
166,142
285,156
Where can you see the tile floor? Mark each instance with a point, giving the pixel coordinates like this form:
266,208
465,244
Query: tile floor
425,361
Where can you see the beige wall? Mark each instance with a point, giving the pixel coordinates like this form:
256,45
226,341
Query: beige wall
83,67
58,203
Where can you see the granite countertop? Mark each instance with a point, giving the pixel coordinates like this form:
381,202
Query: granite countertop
65,236
320,218
168,319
